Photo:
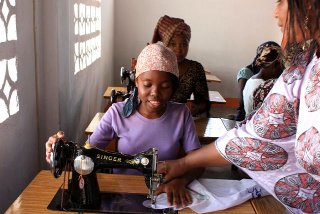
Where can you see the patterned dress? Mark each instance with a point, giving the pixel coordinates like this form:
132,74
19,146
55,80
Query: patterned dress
261,92
192,81
279,146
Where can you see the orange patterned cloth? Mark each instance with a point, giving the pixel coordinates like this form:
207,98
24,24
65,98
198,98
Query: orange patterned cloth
167,27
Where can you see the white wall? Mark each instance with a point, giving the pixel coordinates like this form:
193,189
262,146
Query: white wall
225,33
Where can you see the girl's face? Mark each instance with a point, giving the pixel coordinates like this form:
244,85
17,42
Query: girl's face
180,46
155,89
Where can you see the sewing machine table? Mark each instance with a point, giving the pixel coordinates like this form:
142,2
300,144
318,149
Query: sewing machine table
111,202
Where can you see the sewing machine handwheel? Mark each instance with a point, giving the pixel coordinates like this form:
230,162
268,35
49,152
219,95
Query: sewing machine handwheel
56,161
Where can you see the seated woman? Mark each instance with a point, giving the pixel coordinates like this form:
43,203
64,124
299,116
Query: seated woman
149,120
270,61
176,34
243,75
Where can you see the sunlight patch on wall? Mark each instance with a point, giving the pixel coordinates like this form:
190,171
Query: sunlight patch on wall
9,101
87,30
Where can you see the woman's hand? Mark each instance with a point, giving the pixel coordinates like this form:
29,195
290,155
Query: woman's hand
52,140
171,169
177,194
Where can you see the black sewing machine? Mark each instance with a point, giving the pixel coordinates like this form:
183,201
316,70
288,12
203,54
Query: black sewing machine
83,190
127,76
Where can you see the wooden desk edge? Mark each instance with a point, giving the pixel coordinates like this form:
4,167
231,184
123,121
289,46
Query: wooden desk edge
94,123
107,92
38,194
211,77
267,204
214,80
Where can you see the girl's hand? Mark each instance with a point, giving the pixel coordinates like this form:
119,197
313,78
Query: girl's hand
171,169
52,140
177,194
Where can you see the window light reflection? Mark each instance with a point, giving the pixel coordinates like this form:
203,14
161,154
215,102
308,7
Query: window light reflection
87,30
9,101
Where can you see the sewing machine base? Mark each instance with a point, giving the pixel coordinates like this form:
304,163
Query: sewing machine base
111,202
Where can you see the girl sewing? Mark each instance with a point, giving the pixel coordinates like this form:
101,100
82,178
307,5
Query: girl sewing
148,119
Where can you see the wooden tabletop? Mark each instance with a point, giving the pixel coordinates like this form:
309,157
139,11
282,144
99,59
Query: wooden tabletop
107,93
39,193
212,78
209,129
267,205
94,123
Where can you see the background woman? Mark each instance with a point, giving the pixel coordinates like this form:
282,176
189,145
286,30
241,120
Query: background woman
176,34
244,74
269,60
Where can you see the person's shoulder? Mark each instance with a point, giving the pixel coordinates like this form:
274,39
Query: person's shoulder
118,106
174,106
195,64
245,70
245,73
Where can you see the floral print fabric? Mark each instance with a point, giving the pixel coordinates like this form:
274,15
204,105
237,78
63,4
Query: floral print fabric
192,81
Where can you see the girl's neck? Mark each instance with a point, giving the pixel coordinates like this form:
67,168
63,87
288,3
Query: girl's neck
263,74
183,61
182,66
151,115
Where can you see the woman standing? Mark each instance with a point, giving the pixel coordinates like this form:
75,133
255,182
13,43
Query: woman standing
279,147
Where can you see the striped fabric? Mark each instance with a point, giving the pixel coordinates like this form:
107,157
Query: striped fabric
167,27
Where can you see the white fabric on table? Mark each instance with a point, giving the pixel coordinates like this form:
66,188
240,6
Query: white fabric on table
210,195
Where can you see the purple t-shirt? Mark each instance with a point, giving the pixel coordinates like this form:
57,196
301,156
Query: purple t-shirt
137,133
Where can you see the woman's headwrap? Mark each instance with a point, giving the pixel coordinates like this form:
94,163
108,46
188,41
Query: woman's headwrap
154,57
157,57
167,27
267,53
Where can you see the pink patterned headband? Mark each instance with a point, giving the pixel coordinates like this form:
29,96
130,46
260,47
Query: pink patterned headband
157,57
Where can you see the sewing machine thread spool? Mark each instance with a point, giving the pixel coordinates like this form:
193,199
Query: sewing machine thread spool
83,165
